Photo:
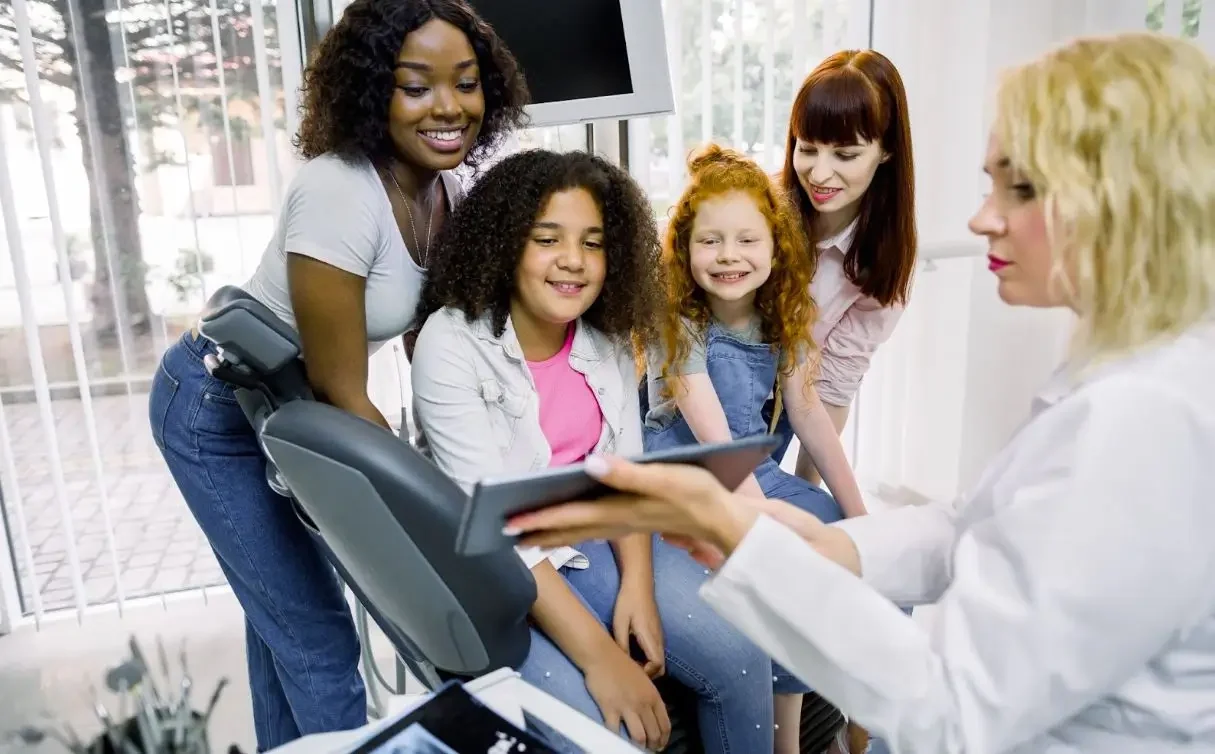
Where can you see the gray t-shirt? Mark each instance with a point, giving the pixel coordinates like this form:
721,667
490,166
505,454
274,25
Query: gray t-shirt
662,409
338,213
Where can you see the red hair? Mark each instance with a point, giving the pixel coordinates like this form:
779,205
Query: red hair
858,95
783,302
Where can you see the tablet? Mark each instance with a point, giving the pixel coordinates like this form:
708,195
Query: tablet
496,499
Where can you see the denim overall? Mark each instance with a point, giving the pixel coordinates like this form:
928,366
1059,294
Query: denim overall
744,375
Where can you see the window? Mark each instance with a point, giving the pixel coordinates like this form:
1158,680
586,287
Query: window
1175,16
735,68
179,104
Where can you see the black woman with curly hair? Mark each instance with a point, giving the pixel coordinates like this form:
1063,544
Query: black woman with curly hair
545,281
398,94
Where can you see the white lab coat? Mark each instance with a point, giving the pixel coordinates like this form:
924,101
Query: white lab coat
1075,585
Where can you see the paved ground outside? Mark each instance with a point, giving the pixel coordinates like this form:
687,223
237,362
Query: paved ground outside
159,547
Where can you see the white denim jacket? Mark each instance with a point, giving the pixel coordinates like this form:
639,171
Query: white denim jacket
478,413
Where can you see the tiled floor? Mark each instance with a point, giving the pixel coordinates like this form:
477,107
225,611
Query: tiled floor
157,545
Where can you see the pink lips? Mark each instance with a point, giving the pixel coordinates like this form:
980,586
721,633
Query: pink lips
567,289
823,196
995,264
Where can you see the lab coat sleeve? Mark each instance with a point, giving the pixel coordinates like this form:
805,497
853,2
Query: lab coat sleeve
1087,571
905,553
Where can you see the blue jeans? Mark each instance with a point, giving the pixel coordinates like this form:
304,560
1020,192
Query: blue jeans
732,678
301,644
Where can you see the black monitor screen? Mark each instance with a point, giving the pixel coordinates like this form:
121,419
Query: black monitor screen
568,49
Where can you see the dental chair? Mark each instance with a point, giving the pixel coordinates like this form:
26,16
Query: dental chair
386,517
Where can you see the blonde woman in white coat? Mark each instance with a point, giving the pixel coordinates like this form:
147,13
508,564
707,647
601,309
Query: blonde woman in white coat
1075,584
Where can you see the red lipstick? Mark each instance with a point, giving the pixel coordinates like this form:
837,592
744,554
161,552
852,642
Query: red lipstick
995,264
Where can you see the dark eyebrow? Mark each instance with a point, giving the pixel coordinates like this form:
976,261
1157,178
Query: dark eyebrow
425,67
559,226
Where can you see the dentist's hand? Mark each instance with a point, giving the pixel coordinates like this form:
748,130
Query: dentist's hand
685,504
672,499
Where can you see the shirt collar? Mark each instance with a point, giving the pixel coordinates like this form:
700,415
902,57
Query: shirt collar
841,240
585,346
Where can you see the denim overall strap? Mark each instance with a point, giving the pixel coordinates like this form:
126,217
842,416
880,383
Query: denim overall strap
743,374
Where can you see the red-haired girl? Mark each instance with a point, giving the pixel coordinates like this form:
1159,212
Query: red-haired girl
734,333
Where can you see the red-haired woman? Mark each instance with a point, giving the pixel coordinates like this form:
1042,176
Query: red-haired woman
849,170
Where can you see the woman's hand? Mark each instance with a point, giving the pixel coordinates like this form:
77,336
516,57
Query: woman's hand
685,504
636,616
673,499
627,697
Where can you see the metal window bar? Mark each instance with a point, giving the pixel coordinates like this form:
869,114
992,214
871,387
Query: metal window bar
217,44
706,71
10,601
1113,15
29,317
13,232
120,309
769,137
675,148
177,52
264,103
801,21
1206,27
830,36
857,25
1173,17
740,48
292,56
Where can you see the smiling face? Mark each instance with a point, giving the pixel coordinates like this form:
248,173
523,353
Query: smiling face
730,249
836,176
1013,219
438,104
562,268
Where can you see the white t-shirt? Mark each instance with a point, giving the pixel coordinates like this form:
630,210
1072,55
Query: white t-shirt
339,213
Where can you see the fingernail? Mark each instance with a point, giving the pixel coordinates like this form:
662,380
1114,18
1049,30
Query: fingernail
596,466
511,531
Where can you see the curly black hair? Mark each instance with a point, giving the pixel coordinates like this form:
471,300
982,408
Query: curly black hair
478,250
349,84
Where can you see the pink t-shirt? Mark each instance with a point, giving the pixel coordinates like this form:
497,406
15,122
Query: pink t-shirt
569,412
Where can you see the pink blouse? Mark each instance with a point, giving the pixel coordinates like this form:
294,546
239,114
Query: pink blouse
850,325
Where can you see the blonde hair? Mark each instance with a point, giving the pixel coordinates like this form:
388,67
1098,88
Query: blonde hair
1118,133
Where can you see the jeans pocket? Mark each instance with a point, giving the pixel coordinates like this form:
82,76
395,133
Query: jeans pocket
220,419
160,402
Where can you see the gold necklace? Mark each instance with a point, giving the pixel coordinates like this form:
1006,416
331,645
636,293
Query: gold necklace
423,252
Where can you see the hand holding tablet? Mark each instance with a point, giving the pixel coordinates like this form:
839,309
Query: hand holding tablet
495,499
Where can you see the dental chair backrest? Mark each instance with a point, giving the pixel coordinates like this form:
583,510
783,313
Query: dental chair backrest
385,516
389,516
